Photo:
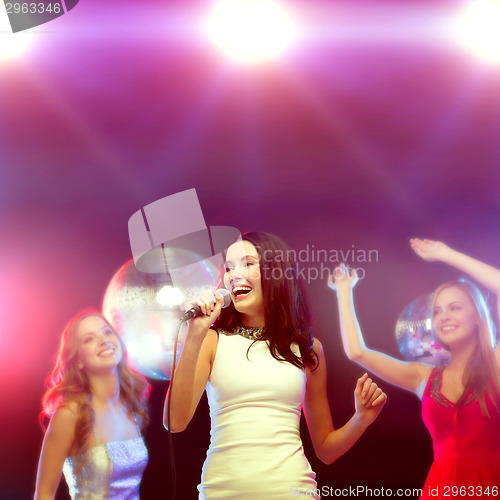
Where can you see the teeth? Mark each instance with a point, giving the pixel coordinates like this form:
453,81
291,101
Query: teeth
107,352
446,328
241,289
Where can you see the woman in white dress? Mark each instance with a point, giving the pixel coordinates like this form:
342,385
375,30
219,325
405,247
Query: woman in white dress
260,366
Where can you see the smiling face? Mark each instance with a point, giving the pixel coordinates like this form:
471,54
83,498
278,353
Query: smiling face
455,318
98,345
243,279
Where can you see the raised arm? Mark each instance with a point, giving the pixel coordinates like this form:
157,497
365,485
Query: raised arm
57,444
409,376
329,443
483,273
194,366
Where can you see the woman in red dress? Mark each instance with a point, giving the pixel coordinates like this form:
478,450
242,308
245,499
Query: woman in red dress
460,401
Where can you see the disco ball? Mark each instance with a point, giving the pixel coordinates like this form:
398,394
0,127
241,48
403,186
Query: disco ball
144,307
414,335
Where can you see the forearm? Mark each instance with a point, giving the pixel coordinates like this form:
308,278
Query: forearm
341,440
352,338
43,495
485,274
181,393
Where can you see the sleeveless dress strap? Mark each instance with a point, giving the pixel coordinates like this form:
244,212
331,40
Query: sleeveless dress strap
94,428
137,424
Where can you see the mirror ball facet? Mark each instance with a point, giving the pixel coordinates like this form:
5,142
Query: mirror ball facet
414,335
144,308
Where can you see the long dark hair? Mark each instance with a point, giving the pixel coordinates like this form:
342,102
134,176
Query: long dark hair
286,308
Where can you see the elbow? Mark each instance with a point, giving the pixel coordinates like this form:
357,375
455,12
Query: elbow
176,424
44,494
326,458
355,355
325,453
174,428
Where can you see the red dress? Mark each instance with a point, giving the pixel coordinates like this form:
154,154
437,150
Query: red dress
466,446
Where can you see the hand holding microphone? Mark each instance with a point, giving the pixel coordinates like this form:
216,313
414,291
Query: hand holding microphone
206,304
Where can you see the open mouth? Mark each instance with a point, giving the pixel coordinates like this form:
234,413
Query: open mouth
448,328
107,352
241,291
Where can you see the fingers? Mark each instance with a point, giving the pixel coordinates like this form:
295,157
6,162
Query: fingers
342,273
206,301
380,400
360,384
377,398
369,392
423,245
416,244
369,388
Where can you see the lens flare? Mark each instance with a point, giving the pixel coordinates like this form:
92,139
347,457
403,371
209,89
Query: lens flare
12,45
477,28
251,30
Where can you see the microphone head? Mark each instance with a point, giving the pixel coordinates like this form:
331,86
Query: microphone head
226,295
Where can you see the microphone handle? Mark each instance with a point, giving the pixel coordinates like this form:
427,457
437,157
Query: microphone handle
194,312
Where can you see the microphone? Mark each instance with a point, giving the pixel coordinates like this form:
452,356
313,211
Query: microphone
195,311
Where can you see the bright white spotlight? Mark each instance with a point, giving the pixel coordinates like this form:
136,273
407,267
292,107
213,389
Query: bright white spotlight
251,30
169,296
478,28
12,44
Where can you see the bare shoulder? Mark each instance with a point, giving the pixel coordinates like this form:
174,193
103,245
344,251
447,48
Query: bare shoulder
61,430
209,346
212,336
424,370
317,347
65,418
319,371
211,340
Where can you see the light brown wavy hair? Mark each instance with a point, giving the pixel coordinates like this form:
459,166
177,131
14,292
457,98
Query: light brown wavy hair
481,375
67,383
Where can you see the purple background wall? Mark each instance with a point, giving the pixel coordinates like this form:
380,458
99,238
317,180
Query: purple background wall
366,141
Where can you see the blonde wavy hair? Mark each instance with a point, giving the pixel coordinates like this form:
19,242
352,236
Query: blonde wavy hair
482,375
67,383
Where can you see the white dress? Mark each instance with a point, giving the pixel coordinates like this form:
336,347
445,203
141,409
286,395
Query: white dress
255,405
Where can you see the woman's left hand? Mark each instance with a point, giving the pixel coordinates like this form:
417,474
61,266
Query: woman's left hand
429,250
369,399
342,278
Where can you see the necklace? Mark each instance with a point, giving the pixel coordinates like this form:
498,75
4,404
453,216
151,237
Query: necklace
249,332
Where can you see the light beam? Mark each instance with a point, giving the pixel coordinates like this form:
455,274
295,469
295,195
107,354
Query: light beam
478,29
12,45
251,30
